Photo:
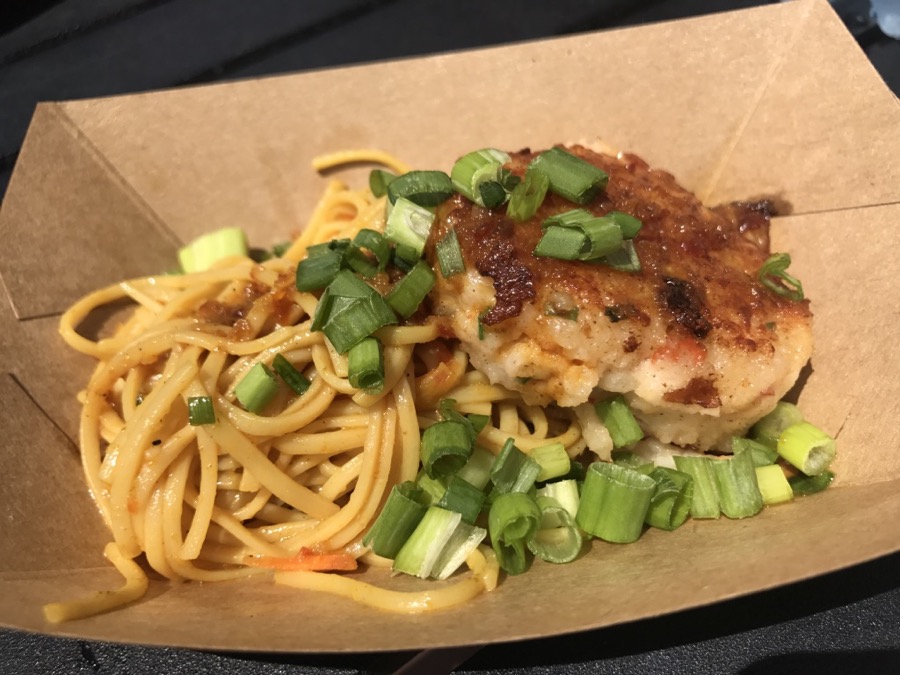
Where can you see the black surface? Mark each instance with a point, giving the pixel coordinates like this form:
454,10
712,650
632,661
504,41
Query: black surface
846,622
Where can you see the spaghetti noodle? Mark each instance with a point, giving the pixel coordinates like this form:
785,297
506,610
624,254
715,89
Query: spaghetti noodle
295,487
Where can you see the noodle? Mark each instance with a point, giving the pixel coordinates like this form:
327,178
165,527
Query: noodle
304,479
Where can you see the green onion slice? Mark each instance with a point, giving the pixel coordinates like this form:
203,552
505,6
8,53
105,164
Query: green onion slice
705,503
319,271
424,546
365,365
513,470
562,243
477,470
464,498
205,251
360,261
527,197
807,447
200,411
409,225
292,377
449,255
619,421
739,495
628,224
769,428
558,539
379,179
625,259
462,542
672,498
406,296
446,446
773,275
565,492
773,484
403,511
760,453
802,486
614,502
513,519
571,177
434,488
257,388
425,188
553,460
476,169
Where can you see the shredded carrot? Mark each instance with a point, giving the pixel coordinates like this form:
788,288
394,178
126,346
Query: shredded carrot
306,560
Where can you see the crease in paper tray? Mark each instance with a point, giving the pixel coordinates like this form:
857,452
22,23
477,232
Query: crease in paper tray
777,101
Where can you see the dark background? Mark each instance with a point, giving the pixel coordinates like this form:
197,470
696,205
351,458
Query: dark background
846,622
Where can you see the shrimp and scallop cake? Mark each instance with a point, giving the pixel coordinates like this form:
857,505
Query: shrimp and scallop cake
683,327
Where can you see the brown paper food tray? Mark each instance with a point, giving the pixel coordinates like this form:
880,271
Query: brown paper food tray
776,101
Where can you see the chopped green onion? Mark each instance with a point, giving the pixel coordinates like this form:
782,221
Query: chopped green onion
705,503
257,388
807,447
769,428
278,250
365,365
205,251
424,546
614,502
357,258
425,188
447,410
552,459
409,225
632,460
557,540
445,448
509,180
808,485
571,177
403,511
565,492
477,470
476,169
464,498
319,271
292,377
513,470
773,484
760,453
406,296
379,179
603,237
527,196
492,194
339,245
434,488
739,495
619,421
200,411
773,275
513,519
479,422
672,498
449,255
562,243
348,326
462,542
625,259
629,226
573,218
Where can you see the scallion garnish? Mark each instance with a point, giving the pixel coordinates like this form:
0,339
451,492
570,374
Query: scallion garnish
292,377
760,453
672,498
257,388
477,470
406,296
513,470
705,503
773,484
408,226
205,251
558,539
571,177
424,188
422,549
462,542
449,255
403,511
434,488
769,428
464,498
628,224
553,461
802,486
773,275
379,179
739,495
200,411
527,196
318,271
562,243
513,519
614,502
565,492
445,448
475,170
625,259
619,421
350,310
365,365
357,258
807,447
